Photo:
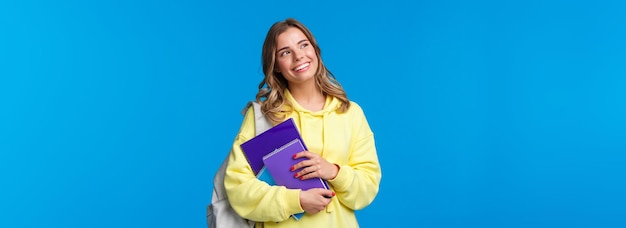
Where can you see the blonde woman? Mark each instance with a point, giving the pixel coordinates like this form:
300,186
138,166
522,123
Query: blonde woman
341,144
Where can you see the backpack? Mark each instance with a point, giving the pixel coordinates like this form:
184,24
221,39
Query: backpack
219,213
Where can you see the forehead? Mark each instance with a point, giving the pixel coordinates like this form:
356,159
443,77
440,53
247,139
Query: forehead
290,36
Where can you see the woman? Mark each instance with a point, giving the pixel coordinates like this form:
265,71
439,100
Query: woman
341,144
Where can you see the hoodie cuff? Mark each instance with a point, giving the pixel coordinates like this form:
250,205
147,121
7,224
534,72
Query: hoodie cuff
341,182
293,206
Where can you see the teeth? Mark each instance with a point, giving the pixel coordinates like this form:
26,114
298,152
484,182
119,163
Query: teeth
302,66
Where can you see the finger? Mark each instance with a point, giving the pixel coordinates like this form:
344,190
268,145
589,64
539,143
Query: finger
305,163
302,154
300,165
303,175
309,175
314,171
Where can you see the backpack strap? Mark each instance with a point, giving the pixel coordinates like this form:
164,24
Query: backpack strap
261,125
219,192
226,215
260,121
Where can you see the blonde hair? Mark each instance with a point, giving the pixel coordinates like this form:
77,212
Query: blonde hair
271,89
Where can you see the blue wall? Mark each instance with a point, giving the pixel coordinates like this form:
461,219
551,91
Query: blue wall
117,113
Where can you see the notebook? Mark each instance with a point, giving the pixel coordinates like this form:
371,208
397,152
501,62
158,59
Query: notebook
278,164
268,141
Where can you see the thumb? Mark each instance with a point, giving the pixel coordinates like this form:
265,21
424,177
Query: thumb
328,193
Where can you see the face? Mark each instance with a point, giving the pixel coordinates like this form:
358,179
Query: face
295,56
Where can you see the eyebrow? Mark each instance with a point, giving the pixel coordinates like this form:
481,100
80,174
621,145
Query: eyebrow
283,48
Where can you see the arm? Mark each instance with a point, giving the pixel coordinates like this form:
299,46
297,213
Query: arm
357,182
251,198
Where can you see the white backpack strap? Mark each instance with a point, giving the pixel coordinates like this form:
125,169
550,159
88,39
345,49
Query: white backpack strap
219,192
220,212
261,125
260,121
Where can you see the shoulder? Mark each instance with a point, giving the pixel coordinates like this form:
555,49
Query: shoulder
355,108
359,122
247,126
248,108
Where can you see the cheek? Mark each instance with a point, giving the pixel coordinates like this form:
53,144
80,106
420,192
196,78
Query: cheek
311,54
282,65
315,62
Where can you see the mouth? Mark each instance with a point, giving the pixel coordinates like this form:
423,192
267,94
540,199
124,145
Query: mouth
302,67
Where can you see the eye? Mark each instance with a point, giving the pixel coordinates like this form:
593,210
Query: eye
304,45
285,53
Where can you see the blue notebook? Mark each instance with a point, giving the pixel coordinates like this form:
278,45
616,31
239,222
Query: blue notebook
265,175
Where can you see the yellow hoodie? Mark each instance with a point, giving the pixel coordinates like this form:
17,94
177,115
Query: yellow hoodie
341,138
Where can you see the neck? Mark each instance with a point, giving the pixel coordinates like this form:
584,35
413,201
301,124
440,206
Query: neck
308,96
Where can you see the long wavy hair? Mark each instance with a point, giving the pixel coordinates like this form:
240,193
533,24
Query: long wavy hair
271,89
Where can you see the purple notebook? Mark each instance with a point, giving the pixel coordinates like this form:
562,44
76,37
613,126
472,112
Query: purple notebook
268,141
279,161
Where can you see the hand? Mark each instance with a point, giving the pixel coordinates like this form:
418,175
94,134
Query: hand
315,200
314,166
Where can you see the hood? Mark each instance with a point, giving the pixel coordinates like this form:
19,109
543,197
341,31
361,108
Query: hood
313,126
330,105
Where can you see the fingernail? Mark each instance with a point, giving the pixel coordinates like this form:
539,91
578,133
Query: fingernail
291,168
301,177
333,193
294,156
295,175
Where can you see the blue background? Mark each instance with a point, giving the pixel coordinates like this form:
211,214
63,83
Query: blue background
486,113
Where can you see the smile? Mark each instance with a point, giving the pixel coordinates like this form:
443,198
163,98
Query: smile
302,67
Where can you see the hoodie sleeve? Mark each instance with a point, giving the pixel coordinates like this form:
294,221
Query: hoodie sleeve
252,198
357,182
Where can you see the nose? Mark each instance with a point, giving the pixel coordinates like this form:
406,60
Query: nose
299,54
